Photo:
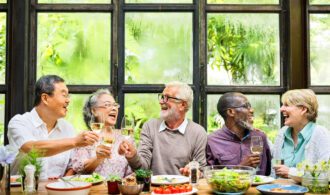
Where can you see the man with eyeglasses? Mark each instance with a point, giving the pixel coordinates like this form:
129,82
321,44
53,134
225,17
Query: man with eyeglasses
168,144
45,130
230,145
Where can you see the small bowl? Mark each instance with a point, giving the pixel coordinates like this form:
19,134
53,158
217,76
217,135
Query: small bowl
130,190
64,188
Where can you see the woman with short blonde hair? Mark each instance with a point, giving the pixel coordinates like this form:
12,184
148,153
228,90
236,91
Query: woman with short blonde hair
301,138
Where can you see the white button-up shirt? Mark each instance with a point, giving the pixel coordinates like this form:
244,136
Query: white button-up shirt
30,127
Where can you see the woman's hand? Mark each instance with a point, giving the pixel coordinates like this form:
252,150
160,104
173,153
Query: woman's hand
282,171
103,151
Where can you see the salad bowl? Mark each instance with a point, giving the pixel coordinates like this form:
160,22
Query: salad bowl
229,179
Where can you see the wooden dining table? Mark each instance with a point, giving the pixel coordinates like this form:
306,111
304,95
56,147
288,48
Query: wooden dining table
203,188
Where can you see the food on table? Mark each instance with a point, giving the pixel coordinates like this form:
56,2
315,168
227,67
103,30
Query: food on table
173,189
279,190
227,180
257,179
165,179
95,177
130,181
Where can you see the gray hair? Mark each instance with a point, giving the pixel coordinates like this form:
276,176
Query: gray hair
185,92
91,103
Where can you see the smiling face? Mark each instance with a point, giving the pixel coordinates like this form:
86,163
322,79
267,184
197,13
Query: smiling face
59,100
293,115
105,109
172,109
243,114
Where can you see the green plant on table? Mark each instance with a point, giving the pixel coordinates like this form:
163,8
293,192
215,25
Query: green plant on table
33,158
114,178
143,173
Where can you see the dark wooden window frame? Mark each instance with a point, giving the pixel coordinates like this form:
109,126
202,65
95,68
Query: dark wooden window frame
21,49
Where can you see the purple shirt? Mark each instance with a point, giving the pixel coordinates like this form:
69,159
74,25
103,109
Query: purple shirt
225,148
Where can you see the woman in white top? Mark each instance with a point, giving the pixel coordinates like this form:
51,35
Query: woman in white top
300,139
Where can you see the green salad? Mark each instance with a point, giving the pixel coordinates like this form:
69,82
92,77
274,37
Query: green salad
257,179
226,180
95,177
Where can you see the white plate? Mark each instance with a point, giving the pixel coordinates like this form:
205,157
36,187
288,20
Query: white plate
83,178
194,190
169,179
264,180
13,181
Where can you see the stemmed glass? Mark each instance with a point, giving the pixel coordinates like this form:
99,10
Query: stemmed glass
256,146
127,128
97,122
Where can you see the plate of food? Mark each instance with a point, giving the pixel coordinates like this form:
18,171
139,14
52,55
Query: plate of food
169,179
94,179
282,189
261,179
15,180
179,189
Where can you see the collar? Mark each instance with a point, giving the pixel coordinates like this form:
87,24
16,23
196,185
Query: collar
181,128
306,132
37,121
234,136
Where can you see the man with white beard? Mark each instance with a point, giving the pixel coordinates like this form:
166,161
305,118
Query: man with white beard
168,144
230,145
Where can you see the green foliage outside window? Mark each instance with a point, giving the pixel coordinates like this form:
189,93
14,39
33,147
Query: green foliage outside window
243,1
2,118
75,46
2,48
248,52
74,1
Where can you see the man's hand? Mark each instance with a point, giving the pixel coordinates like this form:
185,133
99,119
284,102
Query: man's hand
185,170
252,160
282,171
126,148
86,138
103,151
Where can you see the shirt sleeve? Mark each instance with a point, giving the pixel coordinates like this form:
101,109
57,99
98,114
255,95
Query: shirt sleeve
18,133
209,155
144,154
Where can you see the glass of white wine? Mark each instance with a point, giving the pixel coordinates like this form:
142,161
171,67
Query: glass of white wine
256,146
127,128
96,123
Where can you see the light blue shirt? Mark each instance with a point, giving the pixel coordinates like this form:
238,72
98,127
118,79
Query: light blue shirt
291,154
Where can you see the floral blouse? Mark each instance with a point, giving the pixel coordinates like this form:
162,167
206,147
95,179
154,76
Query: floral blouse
117,164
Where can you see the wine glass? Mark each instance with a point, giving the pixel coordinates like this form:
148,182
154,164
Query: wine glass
256,146
127,127
96,123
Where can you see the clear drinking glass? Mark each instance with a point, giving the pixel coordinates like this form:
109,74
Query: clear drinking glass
256,146
97,122
127,128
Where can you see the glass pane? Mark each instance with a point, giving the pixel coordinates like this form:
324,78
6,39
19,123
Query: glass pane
2,119
74,1
243,1
324,111
3,1
158,47
319,2
2,48
158,1
319,49
75,111
266,113
243,49
75,46
142,108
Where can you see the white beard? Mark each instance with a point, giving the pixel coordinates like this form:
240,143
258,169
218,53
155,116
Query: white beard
169,115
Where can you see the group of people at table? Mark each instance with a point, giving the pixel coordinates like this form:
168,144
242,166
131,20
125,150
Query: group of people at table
169,143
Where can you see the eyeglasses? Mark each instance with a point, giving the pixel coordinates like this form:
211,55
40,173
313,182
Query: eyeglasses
109,105
247,105
165,98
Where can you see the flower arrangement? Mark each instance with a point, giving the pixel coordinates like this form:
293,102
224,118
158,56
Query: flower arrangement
315,176
7,155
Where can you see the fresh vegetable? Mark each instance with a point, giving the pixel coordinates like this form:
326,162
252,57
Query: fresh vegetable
257,179
95,177
226,180
173,189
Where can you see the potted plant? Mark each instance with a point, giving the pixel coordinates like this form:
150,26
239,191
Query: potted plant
144,176
33,158
112,181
